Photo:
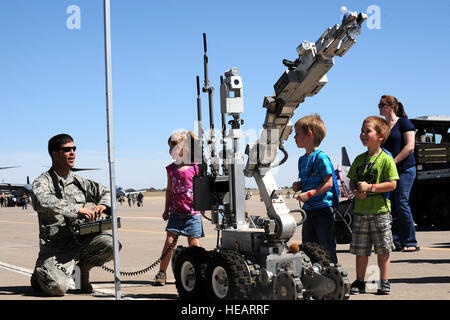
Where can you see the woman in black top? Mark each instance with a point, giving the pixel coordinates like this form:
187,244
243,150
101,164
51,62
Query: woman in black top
401,144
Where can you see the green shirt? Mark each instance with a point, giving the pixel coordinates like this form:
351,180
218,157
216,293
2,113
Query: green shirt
373,170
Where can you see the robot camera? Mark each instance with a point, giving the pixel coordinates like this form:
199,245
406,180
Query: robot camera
235,82
232,72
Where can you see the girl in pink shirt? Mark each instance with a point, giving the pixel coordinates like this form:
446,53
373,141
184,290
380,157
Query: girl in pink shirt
179,207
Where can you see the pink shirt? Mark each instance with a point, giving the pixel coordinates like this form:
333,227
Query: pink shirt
182,189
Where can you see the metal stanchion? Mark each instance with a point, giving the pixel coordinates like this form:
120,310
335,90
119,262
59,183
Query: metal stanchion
111,160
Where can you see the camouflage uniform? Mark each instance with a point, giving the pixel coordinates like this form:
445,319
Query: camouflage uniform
59,249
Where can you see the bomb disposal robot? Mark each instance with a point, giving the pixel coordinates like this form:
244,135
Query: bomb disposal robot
252,259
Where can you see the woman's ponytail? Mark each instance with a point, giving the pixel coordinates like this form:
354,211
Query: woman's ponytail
400,111
398,106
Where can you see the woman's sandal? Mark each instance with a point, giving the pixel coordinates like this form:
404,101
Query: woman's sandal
411,249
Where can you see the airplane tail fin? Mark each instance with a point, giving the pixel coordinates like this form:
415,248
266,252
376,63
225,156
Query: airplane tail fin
345,159
343,171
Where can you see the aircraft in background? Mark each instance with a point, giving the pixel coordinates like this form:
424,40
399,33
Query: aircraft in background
74,169
120,192
342,171
19,189
344,212
15,188
84,169
345,159
1,168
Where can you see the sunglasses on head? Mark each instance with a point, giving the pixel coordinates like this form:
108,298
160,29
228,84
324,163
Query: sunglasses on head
381,105
68,149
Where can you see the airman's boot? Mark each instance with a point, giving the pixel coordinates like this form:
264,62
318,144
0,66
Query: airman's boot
34,283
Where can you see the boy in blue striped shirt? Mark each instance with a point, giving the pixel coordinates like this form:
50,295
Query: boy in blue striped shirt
316,180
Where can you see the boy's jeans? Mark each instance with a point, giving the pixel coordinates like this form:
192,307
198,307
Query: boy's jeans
403,229
319,228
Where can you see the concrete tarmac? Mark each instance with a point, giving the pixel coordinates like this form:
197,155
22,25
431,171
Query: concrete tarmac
422,275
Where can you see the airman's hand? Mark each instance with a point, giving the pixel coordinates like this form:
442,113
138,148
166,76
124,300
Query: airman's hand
98,210
87,214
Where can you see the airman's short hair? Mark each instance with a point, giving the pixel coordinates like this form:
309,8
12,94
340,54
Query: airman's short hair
57,141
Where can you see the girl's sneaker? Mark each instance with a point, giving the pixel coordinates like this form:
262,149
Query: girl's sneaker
385,287
358,287
160,279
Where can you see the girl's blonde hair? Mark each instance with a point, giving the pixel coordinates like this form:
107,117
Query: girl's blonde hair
314,123
185,140
185,137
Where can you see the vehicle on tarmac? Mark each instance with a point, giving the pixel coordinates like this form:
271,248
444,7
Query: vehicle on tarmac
430,194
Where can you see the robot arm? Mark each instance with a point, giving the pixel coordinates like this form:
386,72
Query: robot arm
304,77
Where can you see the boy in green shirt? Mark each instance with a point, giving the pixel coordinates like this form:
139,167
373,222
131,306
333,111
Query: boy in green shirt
372,174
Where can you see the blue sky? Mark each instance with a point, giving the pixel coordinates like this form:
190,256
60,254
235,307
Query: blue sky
52,77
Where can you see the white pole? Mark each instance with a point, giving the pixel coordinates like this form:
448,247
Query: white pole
109,116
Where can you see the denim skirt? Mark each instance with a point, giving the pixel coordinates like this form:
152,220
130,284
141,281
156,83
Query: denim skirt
185,225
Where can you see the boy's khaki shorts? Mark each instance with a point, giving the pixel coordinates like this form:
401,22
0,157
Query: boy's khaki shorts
371,230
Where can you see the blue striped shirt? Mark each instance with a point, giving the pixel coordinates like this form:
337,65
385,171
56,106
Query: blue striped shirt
312,178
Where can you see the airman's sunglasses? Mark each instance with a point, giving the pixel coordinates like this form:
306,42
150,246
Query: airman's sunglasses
68,149
381,105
